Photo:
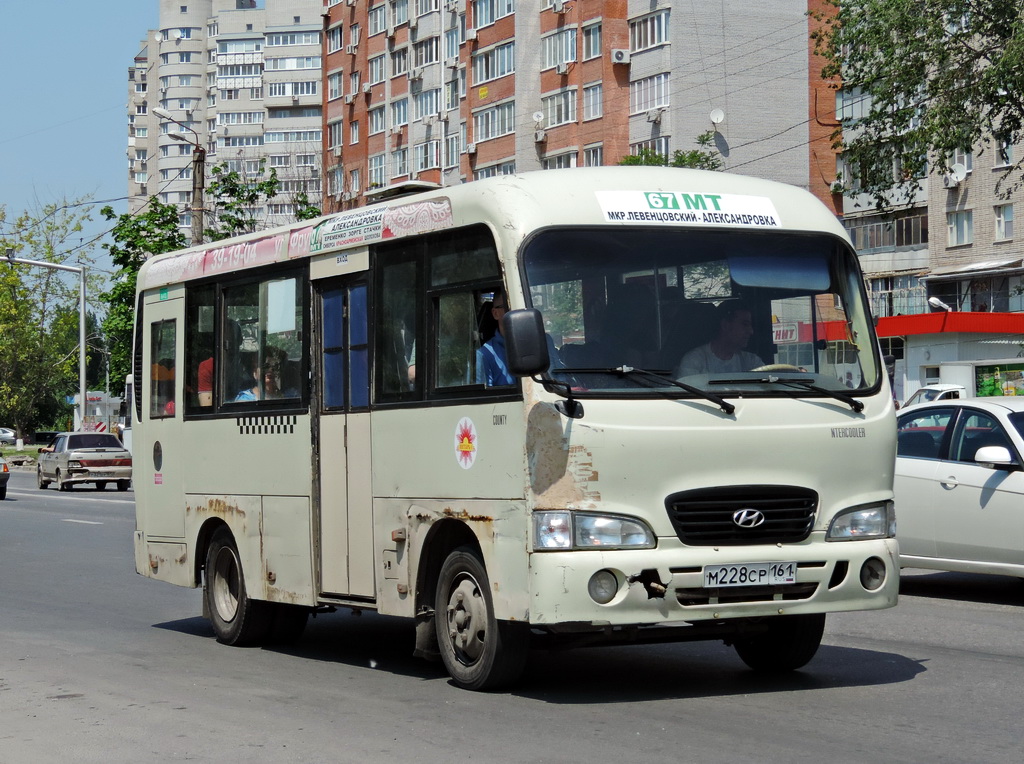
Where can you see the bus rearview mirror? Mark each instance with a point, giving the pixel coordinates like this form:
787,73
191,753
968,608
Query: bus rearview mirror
526,344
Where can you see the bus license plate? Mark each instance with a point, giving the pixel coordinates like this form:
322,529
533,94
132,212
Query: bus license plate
750,574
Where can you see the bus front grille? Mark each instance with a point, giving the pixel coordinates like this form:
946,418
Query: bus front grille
742,515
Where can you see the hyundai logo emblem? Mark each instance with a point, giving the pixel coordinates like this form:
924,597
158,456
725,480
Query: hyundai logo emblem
748,518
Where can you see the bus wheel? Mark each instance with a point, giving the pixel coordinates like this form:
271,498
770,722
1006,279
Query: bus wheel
236,619
480,652
40,481
790,642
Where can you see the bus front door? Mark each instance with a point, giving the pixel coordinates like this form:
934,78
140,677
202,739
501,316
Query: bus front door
346,522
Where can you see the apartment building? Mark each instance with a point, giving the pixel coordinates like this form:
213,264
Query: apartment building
239,78
448,91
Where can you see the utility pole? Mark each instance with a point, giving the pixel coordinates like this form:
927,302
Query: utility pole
198,172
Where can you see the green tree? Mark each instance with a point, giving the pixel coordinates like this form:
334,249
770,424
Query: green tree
39,315
704,157
136,238
928,78
304,208
236,198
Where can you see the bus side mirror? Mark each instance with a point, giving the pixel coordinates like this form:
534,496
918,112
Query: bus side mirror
526,346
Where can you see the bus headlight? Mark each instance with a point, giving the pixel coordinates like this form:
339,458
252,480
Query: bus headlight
871,521
577,530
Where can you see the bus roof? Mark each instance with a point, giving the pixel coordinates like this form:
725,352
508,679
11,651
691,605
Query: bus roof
592,196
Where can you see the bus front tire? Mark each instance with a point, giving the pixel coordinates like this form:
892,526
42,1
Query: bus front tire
236,619
479,651
789,643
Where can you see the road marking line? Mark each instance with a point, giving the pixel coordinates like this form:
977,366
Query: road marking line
82,522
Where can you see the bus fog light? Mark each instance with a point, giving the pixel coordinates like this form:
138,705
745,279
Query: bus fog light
872,574
602,587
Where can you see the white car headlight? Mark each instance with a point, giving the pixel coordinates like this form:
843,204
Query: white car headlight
871,521
576,530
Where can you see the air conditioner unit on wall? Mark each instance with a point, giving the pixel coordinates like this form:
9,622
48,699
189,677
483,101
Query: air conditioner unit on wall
367,88
470,35
470,148
539,136
620,56
654,115
559,6
349,98
562,69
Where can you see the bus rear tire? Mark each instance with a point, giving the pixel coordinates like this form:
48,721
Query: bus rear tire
479,651
790,643
236,619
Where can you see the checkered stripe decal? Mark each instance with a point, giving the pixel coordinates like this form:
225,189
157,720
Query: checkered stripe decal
266,425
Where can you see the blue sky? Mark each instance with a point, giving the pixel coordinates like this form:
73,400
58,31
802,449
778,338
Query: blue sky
64,88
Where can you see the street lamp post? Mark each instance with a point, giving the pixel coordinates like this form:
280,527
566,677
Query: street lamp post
80,270
198,173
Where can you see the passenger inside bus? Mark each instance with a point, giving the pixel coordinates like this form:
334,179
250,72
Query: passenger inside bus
491,361
726,351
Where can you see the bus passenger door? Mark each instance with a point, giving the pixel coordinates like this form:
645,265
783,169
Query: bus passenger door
343,448
157,455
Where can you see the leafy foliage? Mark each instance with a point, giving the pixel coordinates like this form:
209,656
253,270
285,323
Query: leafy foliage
935,76
236,198
304,208
39,316
704,157
136,238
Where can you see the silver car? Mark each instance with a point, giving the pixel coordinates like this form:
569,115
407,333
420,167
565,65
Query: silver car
84,457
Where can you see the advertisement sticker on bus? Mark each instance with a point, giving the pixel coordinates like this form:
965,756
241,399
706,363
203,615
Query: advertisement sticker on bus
465,443
688,208
384,222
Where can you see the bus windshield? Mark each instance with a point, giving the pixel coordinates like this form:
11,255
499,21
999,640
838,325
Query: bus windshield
730,312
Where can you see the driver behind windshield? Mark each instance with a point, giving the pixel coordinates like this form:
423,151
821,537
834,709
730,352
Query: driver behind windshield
726,351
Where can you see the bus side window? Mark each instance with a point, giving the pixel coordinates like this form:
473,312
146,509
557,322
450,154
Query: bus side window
457,340
397,330
199,339
161,391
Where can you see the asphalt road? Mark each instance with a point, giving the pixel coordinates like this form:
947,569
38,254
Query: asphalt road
100,665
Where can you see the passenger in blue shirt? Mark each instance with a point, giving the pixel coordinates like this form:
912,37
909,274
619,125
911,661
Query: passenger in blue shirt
491,364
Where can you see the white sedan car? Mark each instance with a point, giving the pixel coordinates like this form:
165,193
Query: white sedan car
960,485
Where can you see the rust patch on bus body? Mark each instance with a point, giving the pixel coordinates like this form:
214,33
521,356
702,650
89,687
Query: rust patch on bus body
560,474
217,508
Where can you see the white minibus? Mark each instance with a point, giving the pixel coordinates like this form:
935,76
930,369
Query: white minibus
570,407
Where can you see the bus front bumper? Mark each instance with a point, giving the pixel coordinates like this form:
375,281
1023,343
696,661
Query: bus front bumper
666,585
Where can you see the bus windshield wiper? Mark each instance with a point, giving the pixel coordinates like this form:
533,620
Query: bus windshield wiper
626,371
804,384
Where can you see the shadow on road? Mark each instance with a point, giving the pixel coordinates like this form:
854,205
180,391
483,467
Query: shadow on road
967,587
620,674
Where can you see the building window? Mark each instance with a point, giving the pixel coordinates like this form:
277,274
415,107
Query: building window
334,133
400,13
648,93
425,51
353,132
494,122
593,156
1004,152
335,86
960,227
559,48
648,31
494,63
591,41
375,69
487,11
1004,222
399,62
428,155
334,39
377,19
293,38
560,108
427,103
399,162
963,157
592,101
375,117
426,6
400,112
376,171
560,162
